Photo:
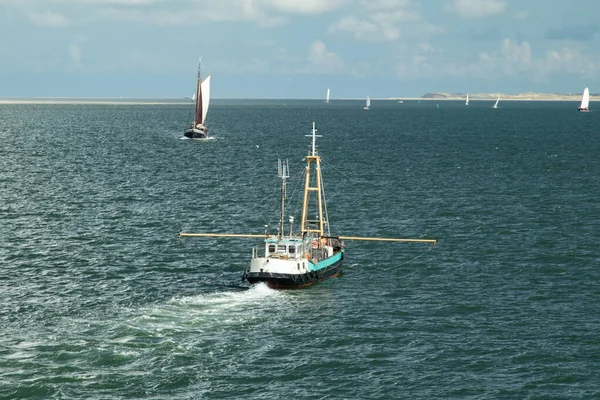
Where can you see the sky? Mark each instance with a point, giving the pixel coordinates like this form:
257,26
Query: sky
297,48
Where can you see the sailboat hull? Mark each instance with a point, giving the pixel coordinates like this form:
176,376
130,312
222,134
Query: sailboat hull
584,109
194,133
276,280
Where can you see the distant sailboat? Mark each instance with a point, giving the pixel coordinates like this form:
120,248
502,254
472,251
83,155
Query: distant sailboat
467,102
199,130
585,101
327,96
497,100
368,103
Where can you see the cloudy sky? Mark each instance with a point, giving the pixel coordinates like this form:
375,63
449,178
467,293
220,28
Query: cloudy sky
297,48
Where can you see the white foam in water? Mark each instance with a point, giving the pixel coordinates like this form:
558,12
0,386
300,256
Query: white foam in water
255,294
212,309
200,140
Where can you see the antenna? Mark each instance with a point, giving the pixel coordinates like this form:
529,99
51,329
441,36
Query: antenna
283,172
314,140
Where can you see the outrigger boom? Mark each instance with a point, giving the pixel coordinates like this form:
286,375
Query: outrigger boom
434,241
250,235
240,235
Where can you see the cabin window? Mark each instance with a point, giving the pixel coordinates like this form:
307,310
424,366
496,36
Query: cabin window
281,249
271,248
292,250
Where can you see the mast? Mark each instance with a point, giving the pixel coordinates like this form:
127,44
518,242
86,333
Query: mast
198,115
313,158
283,172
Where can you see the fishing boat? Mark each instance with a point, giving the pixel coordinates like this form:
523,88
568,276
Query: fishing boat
496,103
585,101
327,96
368,103
198,129
467,102
292,258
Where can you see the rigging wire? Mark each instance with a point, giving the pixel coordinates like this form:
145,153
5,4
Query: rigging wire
330,165
324,202
291,197
414,258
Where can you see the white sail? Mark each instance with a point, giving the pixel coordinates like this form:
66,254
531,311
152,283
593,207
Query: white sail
194,97
205,90
585,99
327,96
368,103
497,100
467,102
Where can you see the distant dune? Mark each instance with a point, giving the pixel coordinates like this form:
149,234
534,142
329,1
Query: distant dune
506,96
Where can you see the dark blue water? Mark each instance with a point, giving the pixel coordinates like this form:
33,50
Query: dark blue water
99,299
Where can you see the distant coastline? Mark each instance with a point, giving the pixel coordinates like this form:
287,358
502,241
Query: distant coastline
525,96
437,96
94,100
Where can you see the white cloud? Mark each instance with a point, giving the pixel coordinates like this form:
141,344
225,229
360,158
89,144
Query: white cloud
516,54
365,29
510,59
384,21
75,52
301,6
378,5
478,8
49,19
325,61
521,15
169,13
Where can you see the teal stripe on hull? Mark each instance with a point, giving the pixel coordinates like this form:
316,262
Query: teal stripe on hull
325,263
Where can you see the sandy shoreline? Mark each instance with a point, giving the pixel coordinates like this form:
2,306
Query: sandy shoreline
92,101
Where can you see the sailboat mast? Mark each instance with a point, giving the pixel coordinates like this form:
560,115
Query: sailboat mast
313,158
198,115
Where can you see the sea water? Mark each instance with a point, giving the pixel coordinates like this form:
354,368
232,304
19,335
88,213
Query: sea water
100,299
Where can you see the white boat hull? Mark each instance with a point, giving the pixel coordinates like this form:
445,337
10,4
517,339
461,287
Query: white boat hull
293,273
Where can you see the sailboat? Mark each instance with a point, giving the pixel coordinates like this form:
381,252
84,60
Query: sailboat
496,103
327,96
368,103
198,129
467,102
585,101
293,259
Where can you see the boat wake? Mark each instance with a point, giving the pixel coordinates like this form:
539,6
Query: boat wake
210,311
206,139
